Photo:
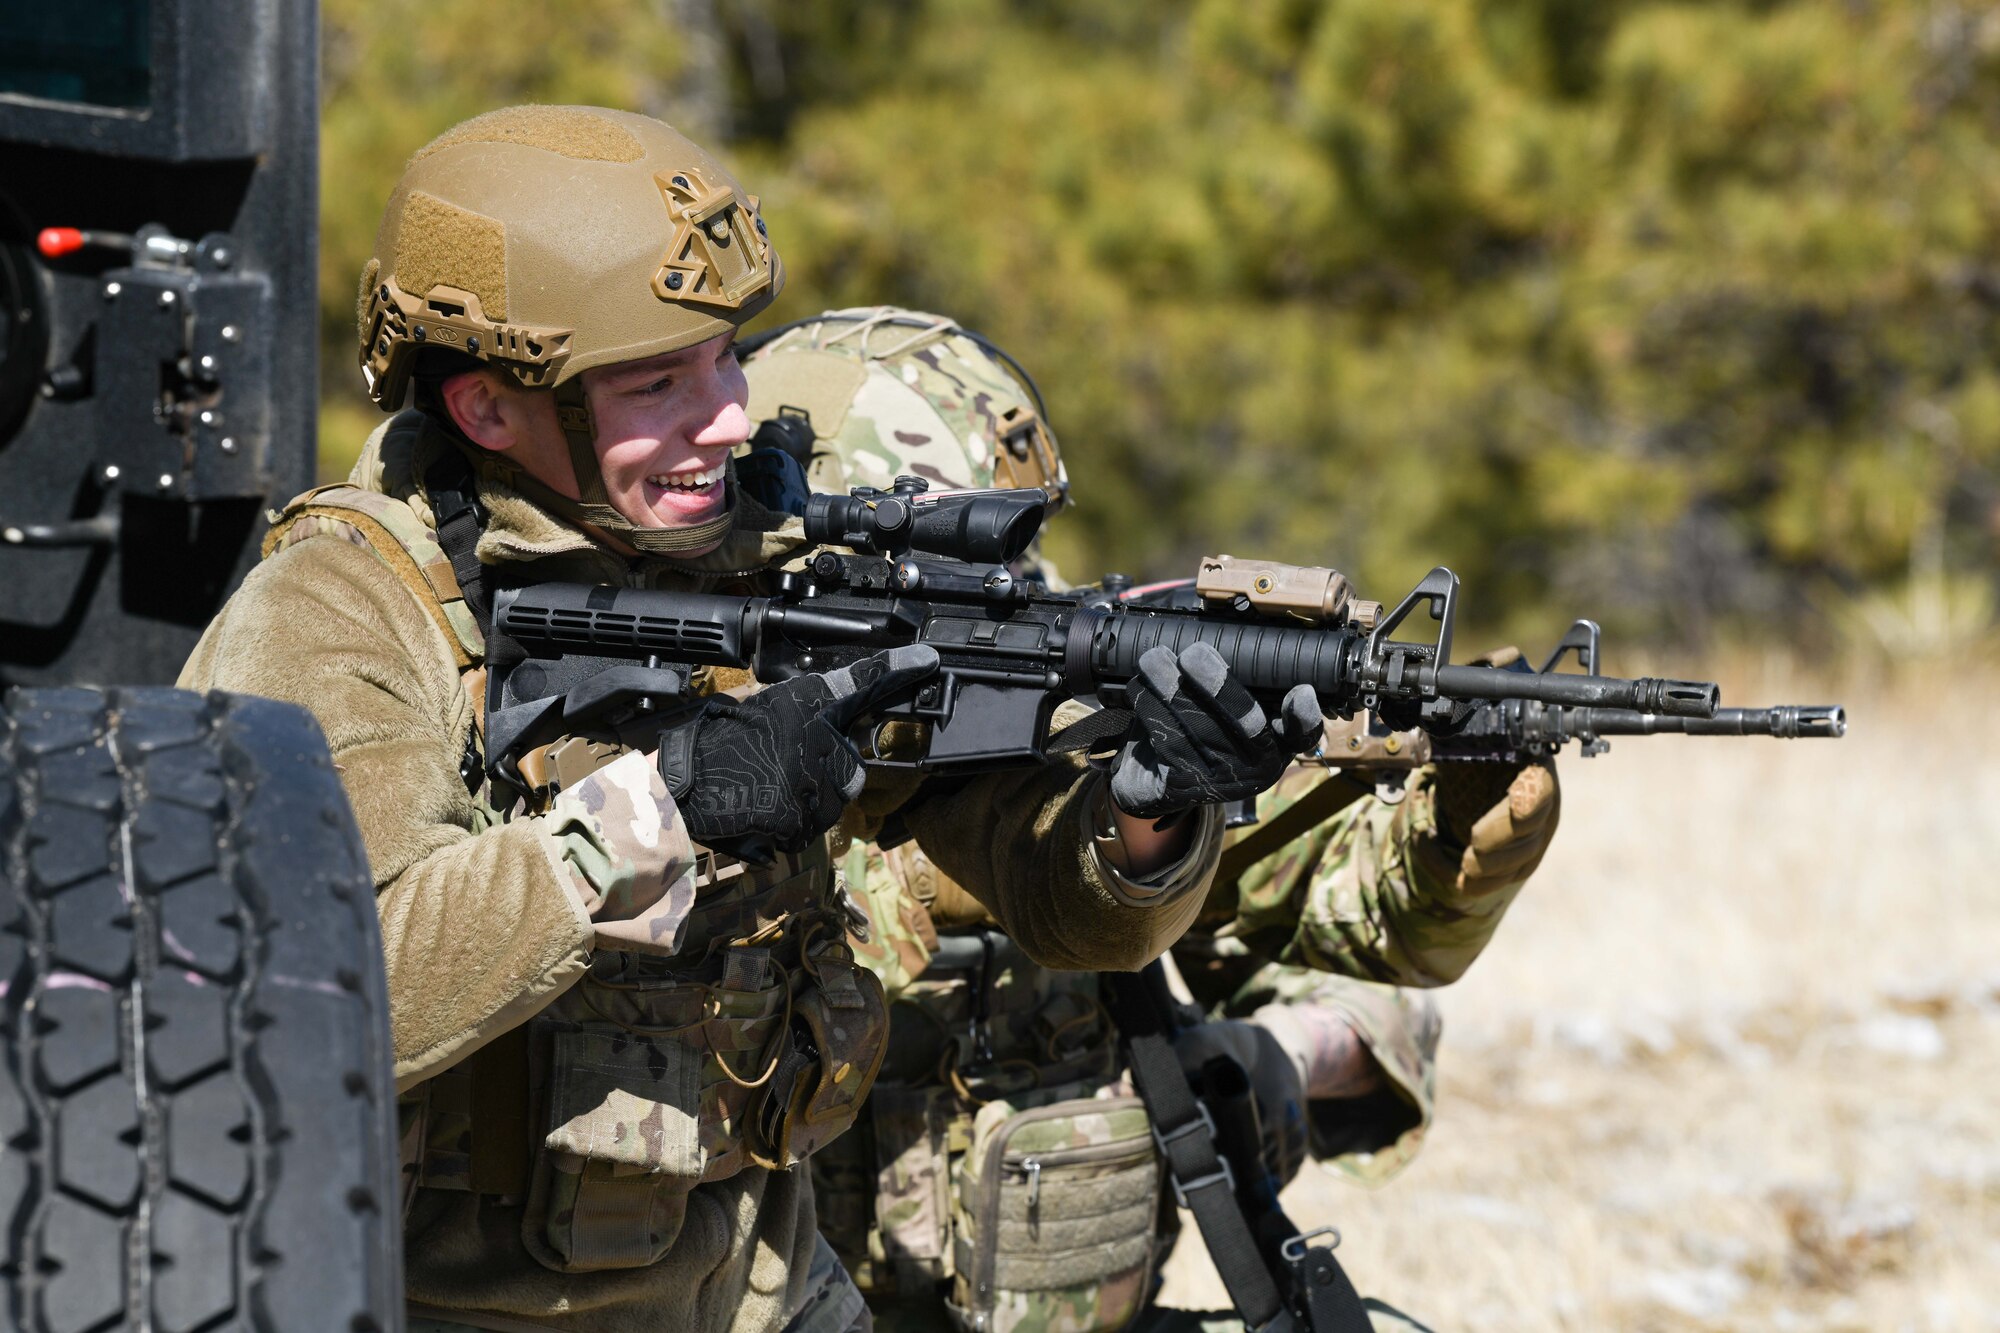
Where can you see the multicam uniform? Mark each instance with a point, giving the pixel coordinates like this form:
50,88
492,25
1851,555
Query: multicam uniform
1002,1164
600,1027
995,1061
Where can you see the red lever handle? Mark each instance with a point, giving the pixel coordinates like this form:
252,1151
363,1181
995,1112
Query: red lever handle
55,242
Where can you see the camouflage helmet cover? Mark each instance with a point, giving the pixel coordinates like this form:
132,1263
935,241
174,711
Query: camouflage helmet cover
893,391
551,239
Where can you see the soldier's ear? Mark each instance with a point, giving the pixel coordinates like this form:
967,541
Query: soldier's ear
483,409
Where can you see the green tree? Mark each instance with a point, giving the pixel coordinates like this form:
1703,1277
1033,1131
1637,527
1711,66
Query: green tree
1675,312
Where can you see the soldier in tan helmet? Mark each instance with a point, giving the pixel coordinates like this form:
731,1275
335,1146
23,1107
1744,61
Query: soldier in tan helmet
616,1025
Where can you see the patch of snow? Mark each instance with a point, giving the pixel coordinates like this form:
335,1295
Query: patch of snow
1908,1036
1698,1293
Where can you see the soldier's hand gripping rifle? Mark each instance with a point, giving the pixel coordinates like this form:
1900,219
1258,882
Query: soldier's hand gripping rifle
909,566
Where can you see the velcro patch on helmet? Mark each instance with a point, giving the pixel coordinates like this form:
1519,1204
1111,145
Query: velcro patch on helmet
439,243
720,254
364,300
571,131
820,384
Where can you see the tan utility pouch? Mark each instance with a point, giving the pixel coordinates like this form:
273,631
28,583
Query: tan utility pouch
641,1105
623,1150
912,1213
839,1034
1056,1214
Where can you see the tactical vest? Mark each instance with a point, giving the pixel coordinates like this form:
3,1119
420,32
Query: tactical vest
752,1046
1001,1169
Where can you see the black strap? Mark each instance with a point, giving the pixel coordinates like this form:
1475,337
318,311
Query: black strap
1206,1187
455,507
1092,732
454,499
1331,1303
1186,1140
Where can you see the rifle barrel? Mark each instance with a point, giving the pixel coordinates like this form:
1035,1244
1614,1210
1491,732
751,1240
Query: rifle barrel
1678,699
1785,722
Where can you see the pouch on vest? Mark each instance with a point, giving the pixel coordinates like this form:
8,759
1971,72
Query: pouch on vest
1056,1213
839,1033
643,1102
623,1150
912,1182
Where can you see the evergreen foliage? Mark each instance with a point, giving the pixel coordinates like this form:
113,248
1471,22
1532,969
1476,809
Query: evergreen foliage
1679,312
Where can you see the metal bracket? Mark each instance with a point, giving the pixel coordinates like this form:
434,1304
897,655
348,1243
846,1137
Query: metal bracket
182,372
1222,1176
1585,639
1439,589
1202,1120
1294,1249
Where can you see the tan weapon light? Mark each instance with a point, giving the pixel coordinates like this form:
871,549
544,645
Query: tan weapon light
1311,592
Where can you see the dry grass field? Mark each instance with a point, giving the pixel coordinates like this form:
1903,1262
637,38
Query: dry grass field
1733,1061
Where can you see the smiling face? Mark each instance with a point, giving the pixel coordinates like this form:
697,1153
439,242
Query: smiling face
664,426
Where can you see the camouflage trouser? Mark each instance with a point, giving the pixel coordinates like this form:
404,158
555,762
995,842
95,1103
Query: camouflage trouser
832,1303
920,1316
1382,1318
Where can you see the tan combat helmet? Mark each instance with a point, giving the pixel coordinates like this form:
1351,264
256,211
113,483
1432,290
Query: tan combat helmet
546,240
894,392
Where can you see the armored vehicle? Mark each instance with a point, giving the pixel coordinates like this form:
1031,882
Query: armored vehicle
195,1091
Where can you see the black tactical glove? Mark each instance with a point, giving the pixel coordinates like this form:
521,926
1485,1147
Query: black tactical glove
1200,739
777,769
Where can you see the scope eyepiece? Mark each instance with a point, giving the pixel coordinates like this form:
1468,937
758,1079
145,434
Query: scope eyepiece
977,527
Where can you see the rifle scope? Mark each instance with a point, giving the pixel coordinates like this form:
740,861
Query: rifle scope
977,527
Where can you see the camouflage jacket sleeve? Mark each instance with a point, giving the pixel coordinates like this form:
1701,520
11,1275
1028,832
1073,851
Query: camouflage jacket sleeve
1374,1138
1371,1137
1374,892
483,923
627,855
902,936
1022,843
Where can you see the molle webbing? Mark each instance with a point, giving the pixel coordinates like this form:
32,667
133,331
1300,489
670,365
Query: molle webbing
399,539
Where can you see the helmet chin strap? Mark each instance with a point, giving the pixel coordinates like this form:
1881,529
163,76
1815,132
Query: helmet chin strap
594,508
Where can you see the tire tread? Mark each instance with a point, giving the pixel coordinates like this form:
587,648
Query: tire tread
195,1095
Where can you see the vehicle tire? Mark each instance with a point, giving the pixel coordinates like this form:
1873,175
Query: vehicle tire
195,1096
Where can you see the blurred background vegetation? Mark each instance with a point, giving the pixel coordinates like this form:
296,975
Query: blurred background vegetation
1682,315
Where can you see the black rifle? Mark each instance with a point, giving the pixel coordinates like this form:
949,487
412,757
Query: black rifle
1517,729
1508,728
931,568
